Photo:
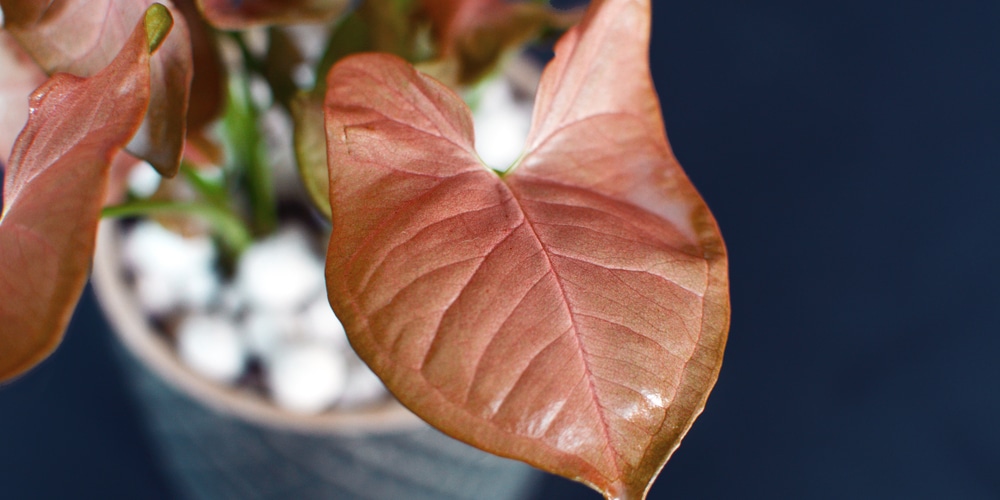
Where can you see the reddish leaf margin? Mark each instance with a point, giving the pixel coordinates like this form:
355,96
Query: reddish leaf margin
54,188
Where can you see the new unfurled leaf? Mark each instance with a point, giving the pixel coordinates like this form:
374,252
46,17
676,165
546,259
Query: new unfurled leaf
54,188
475,34
241,14
20,75
82,37
571,313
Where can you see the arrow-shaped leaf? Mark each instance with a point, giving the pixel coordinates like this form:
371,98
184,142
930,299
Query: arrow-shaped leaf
53,191
572,313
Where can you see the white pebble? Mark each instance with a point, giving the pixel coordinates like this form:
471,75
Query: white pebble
306,377
265,331
280,273
210,346
502,124
199,290
230,300
303,76
320,323
171,270
260,92
156,296
150,247
364,388
143,180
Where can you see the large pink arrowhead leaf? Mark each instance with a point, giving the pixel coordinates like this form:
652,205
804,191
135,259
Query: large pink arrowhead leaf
81,37
54,188
571,313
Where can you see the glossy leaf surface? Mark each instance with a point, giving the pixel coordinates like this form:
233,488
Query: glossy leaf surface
241,14
81,37
572,313
54,188
19,77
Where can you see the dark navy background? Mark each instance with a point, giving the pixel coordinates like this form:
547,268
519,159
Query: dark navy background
850,152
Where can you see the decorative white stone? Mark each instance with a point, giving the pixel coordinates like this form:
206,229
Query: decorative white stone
280,273
150,247
210,346
502,123
267,331
303,76
199,290
260,92
320,323
306,377
230,301
155,295
311,39
171,270
143,180
257,40
364,388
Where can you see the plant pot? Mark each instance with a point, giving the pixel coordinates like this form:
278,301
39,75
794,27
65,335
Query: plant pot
219,442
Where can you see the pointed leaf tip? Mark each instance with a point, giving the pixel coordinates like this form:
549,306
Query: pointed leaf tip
158,22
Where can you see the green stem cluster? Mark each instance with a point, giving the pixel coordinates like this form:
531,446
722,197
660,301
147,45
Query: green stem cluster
229,227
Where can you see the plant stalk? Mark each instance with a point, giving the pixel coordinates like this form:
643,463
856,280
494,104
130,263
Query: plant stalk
227,226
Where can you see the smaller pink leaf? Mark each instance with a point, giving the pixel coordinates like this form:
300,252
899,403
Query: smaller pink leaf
475,34
19,77
81,37
54,188
242,14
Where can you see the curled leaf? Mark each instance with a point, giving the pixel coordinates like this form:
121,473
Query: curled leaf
242,14
54,188
19,77
571,313
82,37
310,149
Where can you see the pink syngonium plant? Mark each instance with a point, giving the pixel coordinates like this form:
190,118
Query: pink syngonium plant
570,312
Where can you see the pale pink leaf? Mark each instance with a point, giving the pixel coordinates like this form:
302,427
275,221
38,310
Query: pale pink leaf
54,189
